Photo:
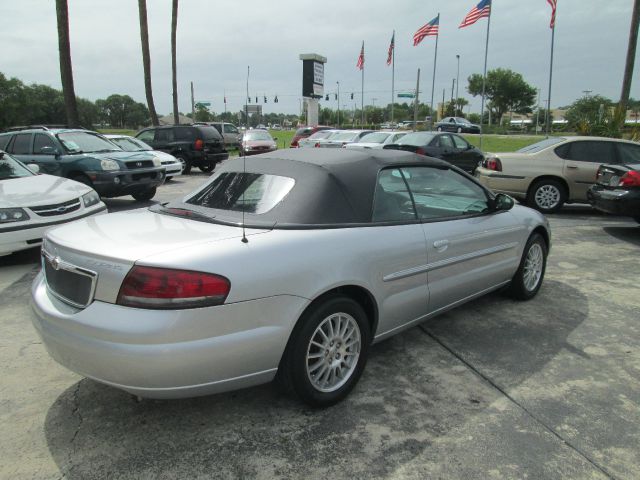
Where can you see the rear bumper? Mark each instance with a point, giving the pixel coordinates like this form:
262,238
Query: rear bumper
126,182
168,353
615,201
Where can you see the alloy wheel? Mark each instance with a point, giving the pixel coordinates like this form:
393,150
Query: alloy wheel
533,264
333,352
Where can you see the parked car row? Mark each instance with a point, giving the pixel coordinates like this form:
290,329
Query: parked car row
559,170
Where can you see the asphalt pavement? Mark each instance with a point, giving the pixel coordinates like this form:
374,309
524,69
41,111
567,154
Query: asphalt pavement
495,389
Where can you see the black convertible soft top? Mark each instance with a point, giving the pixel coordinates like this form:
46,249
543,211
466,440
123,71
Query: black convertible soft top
333,187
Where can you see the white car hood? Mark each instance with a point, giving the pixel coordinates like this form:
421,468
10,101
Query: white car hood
377,146
39,190
136,234
163,156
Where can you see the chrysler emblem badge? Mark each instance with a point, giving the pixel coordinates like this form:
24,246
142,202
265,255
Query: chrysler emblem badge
55,262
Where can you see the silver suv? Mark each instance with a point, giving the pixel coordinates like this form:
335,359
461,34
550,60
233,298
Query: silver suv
229,132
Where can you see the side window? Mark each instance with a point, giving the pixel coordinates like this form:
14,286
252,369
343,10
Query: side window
146,136
592,151
440,194
164,135
41,140
22,144
452,120
445,141
230,129
392,202
184,133
628,153
563,151
460,142
4,141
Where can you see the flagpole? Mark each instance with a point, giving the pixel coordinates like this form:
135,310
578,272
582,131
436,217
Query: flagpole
362,87
484,77
433,81
547,115
393,72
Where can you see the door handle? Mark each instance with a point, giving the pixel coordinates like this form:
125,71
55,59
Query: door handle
441,244
574,167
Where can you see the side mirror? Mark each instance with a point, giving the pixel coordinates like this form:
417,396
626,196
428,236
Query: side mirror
33,167
49,151
275,139
503,202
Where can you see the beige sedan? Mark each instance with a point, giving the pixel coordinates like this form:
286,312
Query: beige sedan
554,171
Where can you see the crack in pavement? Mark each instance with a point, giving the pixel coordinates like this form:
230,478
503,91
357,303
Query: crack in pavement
74,412
532,415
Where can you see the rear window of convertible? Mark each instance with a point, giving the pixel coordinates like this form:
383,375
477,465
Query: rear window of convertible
255,193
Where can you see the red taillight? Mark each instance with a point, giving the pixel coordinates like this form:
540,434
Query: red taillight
421,151
165,288
630,179
199,145
492,163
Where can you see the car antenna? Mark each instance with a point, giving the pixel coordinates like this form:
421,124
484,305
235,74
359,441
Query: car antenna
244,164
244,206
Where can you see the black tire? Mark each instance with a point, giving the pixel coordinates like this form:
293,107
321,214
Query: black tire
83,179
144,195
547,195
207,167
293,373
186,164
526,283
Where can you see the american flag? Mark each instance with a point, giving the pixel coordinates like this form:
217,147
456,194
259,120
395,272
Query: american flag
360,64
428,30
391,48
483,9
553,4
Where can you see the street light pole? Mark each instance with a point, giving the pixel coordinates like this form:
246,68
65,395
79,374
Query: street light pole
338,104
457,79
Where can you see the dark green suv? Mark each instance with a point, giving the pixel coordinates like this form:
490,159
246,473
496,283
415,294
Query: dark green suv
194,145
86,157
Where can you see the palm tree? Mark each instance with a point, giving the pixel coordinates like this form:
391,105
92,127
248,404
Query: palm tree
174,27
66,72
146,61
621,111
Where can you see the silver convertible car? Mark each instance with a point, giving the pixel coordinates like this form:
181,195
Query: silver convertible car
285,265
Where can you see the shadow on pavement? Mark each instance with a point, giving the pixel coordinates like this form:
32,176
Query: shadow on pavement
412,394
630,234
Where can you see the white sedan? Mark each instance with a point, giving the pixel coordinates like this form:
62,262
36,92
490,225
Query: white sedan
376,140
30,204
171,164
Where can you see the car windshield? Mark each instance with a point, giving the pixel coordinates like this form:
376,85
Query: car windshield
321,134
416,138
237,191
208,132
303,131
257,135
463,120
85,142
129,144
536,147
377,137
12,168
345,136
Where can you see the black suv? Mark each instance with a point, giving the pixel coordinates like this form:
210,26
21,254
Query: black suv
86,157
194,145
